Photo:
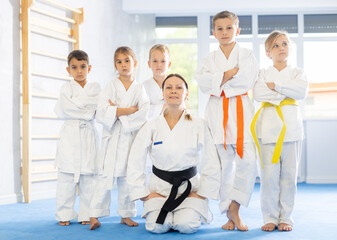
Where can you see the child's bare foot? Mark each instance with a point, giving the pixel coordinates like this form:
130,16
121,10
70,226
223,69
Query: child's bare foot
233,214
85,222
94,223
229,225
129,222
65,223
269,227
284,227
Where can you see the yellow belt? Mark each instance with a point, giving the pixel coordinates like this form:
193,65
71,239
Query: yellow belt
279,143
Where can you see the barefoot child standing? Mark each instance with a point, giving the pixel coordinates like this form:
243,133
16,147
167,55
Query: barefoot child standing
279,132
122,109
77,146
226,75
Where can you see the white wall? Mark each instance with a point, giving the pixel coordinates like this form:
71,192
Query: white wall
321,154
106,26
10,182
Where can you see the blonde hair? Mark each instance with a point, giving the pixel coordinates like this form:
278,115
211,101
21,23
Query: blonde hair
124,50
187,115
226,14
160,47
268,44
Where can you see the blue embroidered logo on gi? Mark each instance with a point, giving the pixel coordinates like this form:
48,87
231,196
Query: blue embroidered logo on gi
156,143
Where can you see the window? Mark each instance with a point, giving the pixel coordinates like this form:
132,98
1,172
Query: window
268,23
184,59
319,49
320,23
313,48
180,36
176,27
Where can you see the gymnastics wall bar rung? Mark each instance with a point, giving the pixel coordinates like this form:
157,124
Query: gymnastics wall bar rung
51,26
42,158
48,96
45,137
52,15
46,54
61,6
46,75
50,117
44,179
45,33
44,169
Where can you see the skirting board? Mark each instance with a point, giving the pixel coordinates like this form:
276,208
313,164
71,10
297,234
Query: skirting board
332,180
11,198
18,198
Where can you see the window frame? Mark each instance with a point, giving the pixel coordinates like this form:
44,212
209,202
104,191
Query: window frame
204,40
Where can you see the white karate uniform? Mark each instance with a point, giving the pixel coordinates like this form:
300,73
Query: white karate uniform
118,135
238,175
155,94
76,155
187,145
278,181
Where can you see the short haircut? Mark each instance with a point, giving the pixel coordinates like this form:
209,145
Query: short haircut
124,50
268,44
226,14
160,47
79,55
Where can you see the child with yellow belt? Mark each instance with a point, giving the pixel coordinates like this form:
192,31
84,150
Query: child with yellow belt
278,132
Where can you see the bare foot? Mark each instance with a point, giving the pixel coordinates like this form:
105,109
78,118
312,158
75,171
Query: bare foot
229,225
269,227
65,223
85,222
94,223
129,222
284,227
233,214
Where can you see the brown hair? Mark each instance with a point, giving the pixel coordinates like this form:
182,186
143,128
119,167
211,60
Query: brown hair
161,47
226,14
187,115
79,55
268,44
124,50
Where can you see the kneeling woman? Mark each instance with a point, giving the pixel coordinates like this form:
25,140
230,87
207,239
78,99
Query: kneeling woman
186,167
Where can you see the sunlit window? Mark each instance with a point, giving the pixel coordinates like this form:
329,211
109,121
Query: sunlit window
184,59
320,61
174,32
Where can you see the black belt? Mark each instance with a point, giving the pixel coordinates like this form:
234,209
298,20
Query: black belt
176,178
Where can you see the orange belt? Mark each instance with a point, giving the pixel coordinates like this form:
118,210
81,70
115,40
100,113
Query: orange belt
239,119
